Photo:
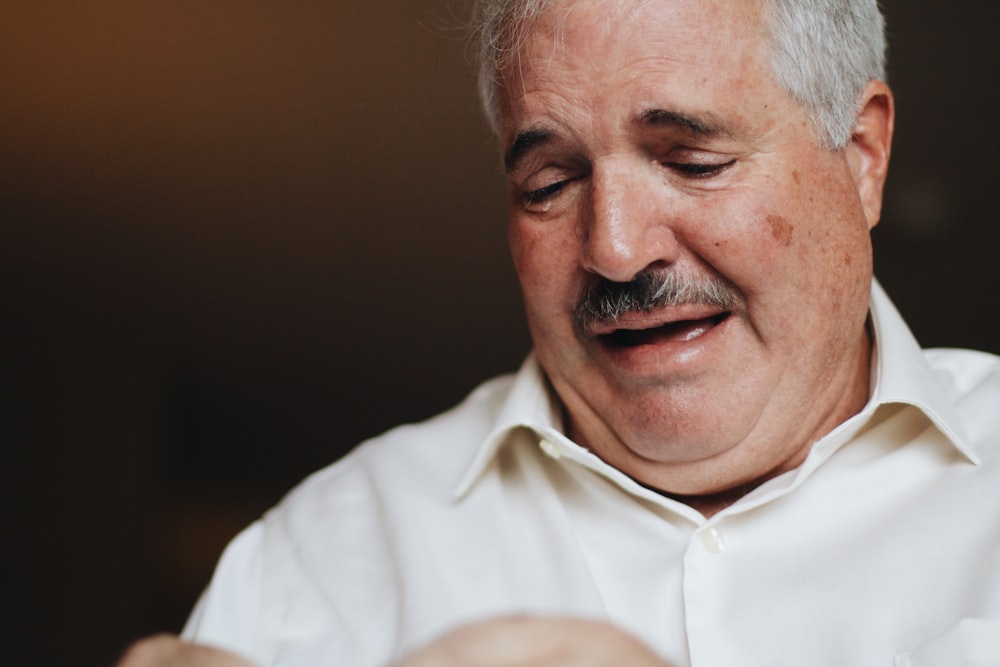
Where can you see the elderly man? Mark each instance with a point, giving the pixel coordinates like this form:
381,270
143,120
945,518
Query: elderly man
726,447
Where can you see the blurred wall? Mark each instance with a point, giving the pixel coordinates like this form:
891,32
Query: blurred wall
239,237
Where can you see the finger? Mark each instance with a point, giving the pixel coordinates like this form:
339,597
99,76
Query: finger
525,641
169,651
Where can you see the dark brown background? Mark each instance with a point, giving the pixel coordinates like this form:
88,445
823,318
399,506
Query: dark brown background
239,237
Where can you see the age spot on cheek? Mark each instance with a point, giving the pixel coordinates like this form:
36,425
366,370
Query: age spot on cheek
781,229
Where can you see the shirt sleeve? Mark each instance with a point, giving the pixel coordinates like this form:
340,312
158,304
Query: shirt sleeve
228,612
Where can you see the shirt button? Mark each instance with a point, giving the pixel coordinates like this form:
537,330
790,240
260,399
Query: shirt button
712,541
550,448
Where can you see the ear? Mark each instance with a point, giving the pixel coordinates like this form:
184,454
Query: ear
870,145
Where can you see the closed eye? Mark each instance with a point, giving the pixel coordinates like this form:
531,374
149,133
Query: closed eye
700,170
542,194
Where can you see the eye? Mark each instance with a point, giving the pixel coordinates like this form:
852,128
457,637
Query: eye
544,194
541,195
700,169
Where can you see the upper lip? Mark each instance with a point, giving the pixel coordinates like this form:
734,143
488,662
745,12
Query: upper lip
637,321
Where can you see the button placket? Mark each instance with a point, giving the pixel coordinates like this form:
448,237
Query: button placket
707,596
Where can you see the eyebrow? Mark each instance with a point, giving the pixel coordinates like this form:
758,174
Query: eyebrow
703,125
523,143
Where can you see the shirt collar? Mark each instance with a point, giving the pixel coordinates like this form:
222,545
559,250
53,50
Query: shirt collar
530,404
900,374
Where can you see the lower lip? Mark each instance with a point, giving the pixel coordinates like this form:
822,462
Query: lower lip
655,354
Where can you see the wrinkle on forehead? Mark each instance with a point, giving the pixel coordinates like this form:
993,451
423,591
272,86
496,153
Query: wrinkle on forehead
581,40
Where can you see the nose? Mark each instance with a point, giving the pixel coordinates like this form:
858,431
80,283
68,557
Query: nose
626,227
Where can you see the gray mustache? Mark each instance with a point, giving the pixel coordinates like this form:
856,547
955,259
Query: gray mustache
606,301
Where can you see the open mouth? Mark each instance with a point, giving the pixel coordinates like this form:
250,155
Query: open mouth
671,332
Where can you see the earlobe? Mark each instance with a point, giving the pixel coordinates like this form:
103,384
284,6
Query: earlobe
870,146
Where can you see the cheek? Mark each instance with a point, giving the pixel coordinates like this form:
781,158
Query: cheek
546,266
782,230
522,242
527,248
746,240
815,253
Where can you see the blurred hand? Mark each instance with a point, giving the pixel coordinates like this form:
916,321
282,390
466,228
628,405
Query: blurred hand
515,641
524,641
169,651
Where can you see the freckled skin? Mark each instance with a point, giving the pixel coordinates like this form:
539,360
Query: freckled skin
745,401
781,229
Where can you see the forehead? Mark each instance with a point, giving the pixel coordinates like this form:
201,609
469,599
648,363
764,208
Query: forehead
667,18
582,52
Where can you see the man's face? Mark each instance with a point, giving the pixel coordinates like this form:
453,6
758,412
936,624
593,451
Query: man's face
651,138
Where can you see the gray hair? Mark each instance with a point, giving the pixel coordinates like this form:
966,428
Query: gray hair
824,52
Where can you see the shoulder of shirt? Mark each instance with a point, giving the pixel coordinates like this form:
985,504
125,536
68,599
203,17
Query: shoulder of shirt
962,370
971,382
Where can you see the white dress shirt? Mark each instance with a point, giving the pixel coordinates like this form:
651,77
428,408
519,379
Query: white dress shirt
881,549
